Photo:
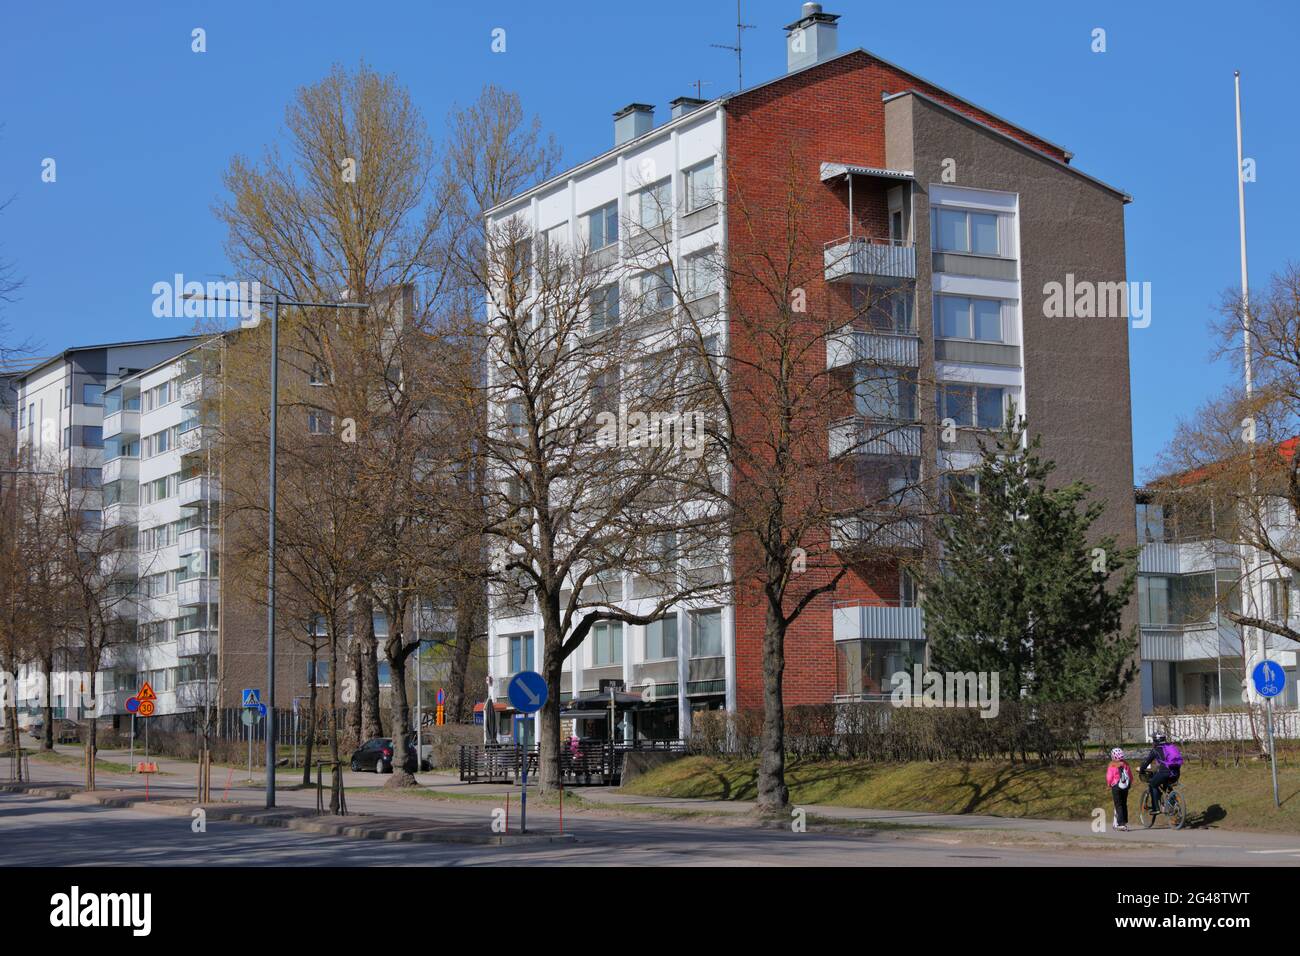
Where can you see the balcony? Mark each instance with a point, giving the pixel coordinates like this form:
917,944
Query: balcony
1187,557
195,539
878,622
1191,642
196,643
877,531
124,424
196,591
885,262
877,348
195,491
857,435
120,469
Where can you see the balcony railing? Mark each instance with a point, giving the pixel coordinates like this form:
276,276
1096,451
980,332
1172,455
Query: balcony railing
878,531
902,349
884,622
865,436
196,490
196,591
868,258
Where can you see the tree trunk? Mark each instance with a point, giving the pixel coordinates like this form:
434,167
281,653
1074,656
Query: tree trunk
372,722
401,723
354,705
773,795
548,734
311,722
334,709
15,742
458,695
47,741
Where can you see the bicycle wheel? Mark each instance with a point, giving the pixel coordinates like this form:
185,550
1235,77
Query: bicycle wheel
1145,813
1177,811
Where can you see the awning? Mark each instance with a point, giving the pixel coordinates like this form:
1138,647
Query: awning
833,170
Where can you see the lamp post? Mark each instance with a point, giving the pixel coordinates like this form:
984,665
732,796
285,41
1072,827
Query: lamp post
276,302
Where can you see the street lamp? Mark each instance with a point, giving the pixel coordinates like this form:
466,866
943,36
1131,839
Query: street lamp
276,301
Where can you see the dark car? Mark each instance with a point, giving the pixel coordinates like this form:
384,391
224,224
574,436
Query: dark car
377,755
65,731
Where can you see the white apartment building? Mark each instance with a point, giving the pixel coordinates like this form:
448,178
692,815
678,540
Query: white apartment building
59,421
157,485
1193,656
663,180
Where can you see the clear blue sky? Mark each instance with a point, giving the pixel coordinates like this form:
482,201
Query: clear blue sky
141,127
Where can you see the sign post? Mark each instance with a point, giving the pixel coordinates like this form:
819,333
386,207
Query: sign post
1270,680
527,692
251,698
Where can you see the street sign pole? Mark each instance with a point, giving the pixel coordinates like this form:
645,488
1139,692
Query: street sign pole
1272,753
528,692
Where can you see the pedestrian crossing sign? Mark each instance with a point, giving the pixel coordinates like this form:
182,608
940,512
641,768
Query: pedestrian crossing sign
252,697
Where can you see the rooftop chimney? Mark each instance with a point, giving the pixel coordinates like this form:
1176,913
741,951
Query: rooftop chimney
632,121
685,104
810,39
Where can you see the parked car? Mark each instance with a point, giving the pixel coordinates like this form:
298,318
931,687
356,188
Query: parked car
377,754
65,731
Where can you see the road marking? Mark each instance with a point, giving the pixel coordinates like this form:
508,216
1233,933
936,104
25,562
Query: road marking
1274,851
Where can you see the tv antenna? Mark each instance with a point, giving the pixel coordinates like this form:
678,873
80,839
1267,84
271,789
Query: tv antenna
740,27
699,87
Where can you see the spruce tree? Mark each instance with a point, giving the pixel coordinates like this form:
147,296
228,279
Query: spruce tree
1020,588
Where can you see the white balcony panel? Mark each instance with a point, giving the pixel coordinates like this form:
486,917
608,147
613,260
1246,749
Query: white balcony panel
196,591
878,348
863,259
197,490
860,436
873,622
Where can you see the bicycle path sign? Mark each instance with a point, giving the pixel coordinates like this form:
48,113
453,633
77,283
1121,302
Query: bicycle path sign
1269,678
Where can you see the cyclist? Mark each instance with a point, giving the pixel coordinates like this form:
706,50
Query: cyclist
1168,759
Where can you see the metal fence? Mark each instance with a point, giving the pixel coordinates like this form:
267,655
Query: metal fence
589,763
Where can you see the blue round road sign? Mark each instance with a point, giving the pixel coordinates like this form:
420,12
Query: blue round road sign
527,692
132,704
1269,678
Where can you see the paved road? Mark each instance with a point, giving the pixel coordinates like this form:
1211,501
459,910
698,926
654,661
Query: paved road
43,831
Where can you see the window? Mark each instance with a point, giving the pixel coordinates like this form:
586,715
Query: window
885,394
655,205
706,633
1279,599
700,271
521,652
319,376
655,289
1151,523
92,436
661,638
320,675
92,394
961,317
602,226
604,308
981,406
160,442
866,668
961,230
319,422
607,643
699,186
67,438
606,391
1153,600
92,520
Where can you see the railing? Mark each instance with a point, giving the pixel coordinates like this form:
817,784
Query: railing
877,346
857,621
870,256
858,435
589,763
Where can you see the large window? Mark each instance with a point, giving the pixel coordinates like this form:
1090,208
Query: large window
521,652
92,436
885,394
604,308
602,226
1150,523
607,643
700,189
963,230
706,633
655,289
661,638
962,317
655,204
92,394
867,668
980,406
700,273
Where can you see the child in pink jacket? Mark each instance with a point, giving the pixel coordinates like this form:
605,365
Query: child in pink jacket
1119,777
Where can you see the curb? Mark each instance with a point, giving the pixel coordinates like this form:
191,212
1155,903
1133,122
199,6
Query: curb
356,826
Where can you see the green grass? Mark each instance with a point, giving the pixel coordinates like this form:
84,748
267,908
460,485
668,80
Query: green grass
78,760
1238,798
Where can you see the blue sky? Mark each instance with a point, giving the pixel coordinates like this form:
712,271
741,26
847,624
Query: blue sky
141,127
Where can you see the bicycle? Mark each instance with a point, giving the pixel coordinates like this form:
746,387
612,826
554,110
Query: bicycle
1172,804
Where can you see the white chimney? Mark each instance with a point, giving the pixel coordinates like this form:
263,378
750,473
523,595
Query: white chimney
811,38
685,104
632,121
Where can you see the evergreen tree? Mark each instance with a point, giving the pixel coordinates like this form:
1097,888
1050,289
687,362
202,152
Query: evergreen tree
1021,591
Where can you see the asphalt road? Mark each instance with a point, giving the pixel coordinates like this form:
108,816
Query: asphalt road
45,831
